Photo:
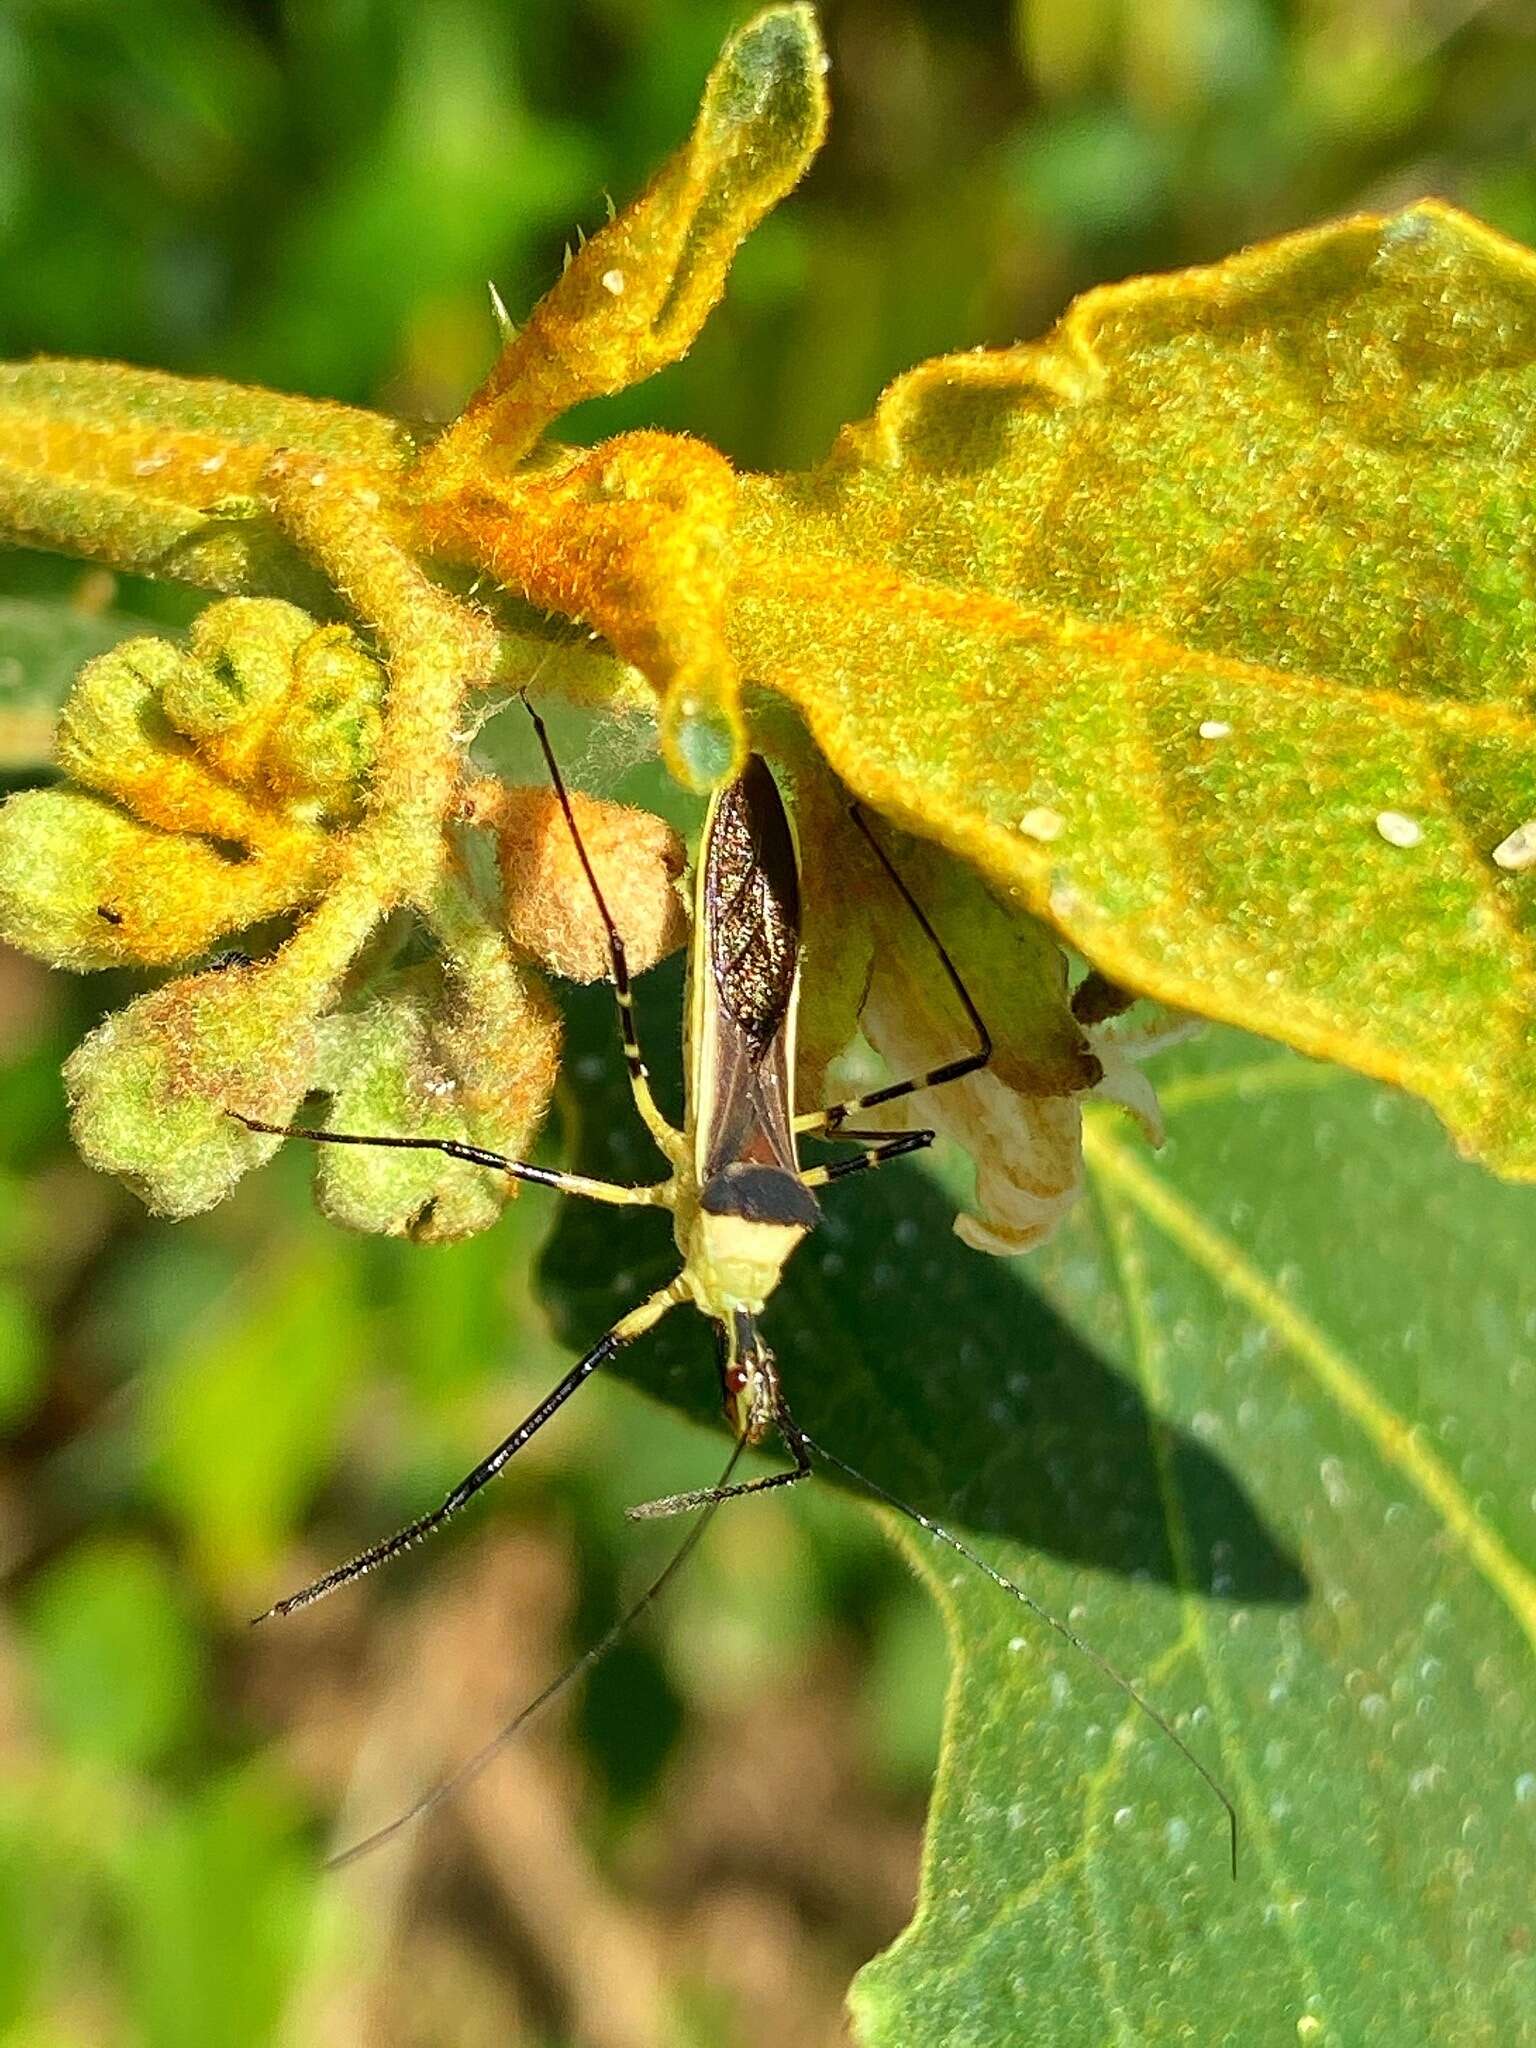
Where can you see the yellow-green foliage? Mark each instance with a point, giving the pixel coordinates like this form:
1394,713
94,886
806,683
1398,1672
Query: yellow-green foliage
222,785
1051,608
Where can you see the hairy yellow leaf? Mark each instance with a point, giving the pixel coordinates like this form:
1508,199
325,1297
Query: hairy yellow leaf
158,474
1206,630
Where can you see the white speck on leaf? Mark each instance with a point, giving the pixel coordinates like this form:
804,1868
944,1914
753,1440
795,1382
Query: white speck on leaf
1042,823
1518,851
1398,829
1215,729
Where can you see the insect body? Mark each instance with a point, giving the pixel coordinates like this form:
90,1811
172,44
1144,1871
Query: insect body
741,1201
742,1205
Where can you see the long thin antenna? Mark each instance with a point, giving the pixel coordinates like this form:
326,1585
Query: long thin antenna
1040,1613
488,1752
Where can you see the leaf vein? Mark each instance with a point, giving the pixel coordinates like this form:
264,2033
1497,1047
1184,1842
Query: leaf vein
1328,1367
1144,1351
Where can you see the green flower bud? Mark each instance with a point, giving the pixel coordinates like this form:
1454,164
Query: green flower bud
391,1078
475,1062
151,1088
321,751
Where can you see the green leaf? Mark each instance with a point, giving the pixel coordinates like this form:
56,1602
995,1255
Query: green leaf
241,1415
115,1653
1272,1456
1167,622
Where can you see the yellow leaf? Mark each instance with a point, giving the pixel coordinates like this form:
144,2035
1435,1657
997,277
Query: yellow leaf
634,296
1204,630
160,474
633,540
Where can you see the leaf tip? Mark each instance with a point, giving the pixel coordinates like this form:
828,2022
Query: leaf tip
771,75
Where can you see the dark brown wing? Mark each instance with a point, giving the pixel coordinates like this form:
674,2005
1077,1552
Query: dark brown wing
748,959
752,904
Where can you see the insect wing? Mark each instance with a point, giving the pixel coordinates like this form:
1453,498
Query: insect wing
745,976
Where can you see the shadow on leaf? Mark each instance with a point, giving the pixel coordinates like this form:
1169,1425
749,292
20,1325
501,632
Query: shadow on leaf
946,1376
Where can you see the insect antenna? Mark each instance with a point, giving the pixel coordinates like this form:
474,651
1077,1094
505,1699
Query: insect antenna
1015,1592
486,1755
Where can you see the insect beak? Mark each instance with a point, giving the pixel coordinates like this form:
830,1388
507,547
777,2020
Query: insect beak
748,1380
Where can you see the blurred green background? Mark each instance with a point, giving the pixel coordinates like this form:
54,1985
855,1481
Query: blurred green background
314,196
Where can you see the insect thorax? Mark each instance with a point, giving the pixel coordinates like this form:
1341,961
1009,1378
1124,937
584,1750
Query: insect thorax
747,1222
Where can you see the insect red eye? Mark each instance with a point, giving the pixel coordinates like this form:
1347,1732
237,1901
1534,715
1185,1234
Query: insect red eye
735,1378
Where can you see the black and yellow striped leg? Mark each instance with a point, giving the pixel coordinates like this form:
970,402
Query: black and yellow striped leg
625,1331
669,1140
829,1122
891,1148
475,1155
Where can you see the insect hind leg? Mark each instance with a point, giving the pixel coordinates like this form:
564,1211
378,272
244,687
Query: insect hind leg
880,1149
828,1122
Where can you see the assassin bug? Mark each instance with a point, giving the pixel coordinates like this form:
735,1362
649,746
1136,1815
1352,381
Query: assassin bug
741,1201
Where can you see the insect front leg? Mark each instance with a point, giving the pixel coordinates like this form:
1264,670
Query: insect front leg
625,1331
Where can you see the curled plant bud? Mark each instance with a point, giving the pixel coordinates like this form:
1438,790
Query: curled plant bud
265,723
231,685
410,1064
114,738
84,885
547,901
200,778
319,754
203,774
151,1088
280,705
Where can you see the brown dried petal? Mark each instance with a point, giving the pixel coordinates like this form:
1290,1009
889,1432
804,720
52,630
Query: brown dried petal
549,909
